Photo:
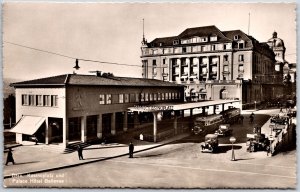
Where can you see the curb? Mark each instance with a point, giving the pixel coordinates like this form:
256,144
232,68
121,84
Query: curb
84,163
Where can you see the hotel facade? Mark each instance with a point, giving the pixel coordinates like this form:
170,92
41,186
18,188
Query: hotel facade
215,64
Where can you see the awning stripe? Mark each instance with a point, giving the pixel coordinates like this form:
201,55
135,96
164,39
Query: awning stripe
28,125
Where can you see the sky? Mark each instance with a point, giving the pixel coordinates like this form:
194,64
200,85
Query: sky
113,32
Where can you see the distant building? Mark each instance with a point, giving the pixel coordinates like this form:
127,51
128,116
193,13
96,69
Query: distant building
215,64
289,69
71,107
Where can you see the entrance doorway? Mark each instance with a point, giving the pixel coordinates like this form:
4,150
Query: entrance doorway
74,129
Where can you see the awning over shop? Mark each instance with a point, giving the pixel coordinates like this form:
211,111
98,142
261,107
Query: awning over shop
179,106
28,125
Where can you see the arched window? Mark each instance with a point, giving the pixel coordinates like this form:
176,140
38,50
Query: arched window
223,93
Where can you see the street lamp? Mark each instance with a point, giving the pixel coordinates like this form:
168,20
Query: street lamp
232,140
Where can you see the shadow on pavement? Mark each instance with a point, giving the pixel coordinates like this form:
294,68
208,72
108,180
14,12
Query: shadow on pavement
103,147
146,156
241,159
26,162
94,158
224,149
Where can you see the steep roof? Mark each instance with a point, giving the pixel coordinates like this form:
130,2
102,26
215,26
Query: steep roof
91,80
203,32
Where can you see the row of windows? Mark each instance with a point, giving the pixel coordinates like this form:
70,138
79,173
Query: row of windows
40,100
137,97
196,60
188,49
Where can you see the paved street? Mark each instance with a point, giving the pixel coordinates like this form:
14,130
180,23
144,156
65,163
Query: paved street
179,164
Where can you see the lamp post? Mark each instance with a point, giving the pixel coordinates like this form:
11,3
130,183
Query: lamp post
232,140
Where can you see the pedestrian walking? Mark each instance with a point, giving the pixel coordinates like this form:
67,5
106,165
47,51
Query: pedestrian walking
252,117
79,149
36,140
241,119
131,148
10,157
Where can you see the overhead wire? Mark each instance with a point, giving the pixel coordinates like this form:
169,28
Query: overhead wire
69,57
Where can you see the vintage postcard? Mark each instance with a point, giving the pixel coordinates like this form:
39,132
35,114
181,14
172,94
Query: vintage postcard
149,95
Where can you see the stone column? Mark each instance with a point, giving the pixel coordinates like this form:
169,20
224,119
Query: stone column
203,111
175,124
99,126
125,121
135,119
47,134
113,123
83,129
65,132
154,126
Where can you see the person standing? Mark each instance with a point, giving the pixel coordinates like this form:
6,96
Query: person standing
252,117
10,157
131,148
241,119
79,149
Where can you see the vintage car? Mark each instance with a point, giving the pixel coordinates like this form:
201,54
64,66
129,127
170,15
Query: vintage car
211,143
223,130
257,142
281,120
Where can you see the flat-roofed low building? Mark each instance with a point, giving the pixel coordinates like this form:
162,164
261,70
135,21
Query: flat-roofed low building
73,107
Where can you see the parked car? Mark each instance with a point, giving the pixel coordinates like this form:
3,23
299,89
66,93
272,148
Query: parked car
211,143
224,130
257,142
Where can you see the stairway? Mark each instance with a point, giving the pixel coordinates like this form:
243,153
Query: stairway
74,145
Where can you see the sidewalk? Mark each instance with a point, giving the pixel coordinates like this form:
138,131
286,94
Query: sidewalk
34,159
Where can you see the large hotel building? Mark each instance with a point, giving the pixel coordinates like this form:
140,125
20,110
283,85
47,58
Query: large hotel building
215,64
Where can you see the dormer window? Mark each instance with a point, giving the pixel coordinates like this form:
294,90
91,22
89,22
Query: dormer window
236,37
213,38
241,45
175,42
160,44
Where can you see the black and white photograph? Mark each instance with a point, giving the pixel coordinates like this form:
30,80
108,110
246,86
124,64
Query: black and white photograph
160,95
